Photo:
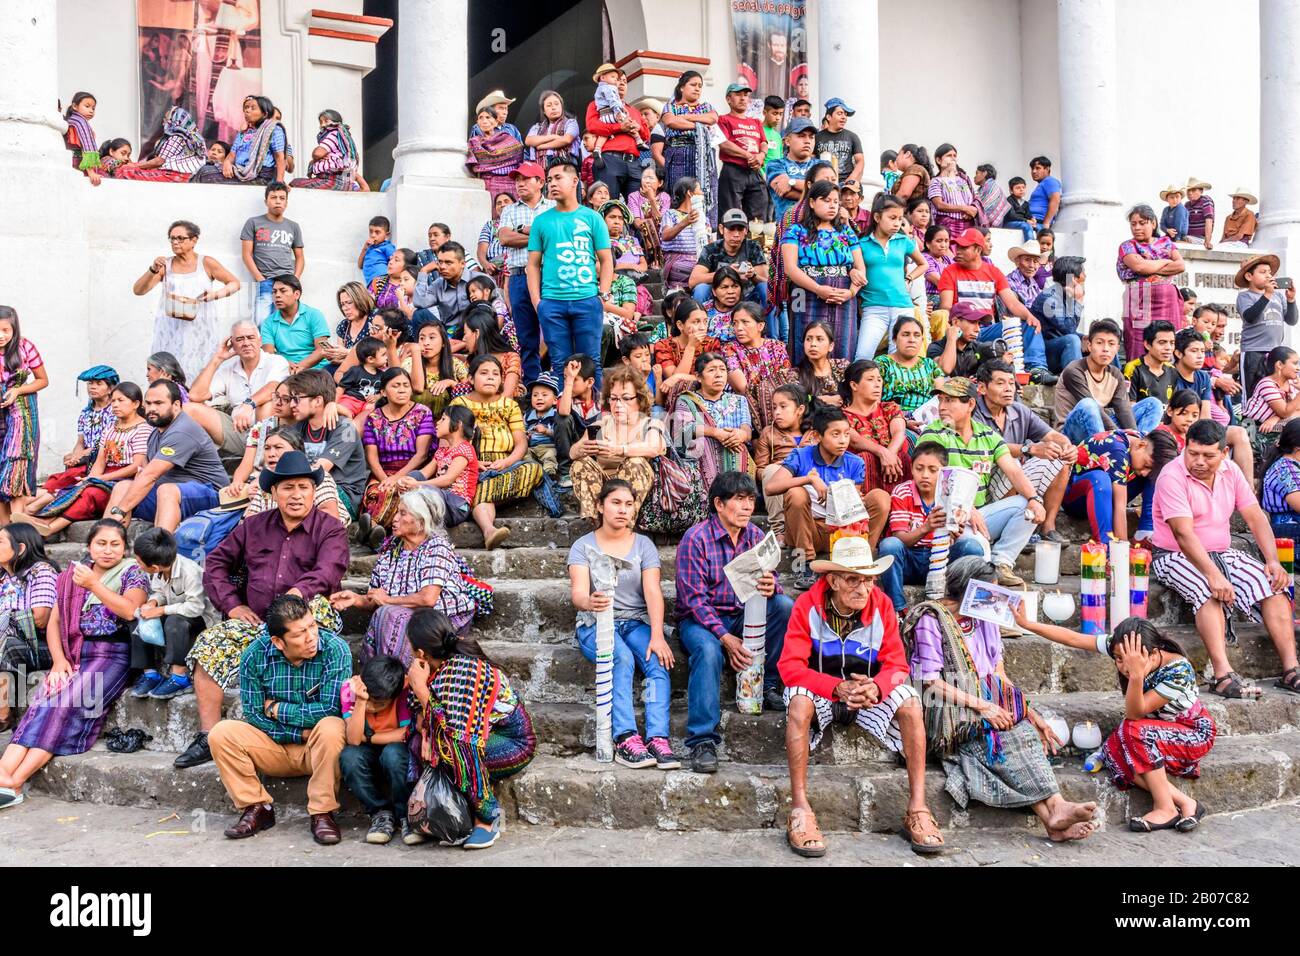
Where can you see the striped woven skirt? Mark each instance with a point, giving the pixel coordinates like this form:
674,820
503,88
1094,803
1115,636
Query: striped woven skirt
22,437
152,175
677,269
340,182
806,308
1140,746
69,721
1144,303
518,481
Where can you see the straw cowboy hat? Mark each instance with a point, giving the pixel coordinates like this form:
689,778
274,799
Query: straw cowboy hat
1029,248
1239,281
1194,183
604,68
1245,194
649,101
852,555
1170,190
494,98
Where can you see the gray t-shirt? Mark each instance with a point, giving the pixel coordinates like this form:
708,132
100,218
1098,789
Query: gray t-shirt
629,599
1021,426
1269,329
342,446
842,146
193,457
273,244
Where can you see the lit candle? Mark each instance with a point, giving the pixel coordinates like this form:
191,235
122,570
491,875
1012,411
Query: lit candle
1119,577
1087,736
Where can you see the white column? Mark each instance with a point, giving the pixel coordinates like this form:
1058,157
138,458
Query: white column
1279,127
1089,81
848,66
430,182
433,86
30,126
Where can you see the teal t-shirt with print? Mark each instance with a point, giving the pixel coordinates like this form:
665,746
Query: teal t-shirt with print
568,242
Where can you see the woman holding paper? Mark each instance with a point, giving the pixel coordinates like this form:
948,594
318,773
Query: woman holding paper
638,602
994,745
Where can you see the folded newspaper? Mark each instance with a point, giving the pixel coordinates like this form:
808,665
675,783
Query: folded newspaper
747,567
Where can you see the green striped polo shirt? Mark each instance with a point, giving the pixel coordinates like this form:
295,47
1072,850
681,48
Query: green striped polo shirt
980,454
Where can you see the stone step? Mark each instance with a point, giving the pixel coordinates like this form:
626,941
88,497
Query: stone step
1240,773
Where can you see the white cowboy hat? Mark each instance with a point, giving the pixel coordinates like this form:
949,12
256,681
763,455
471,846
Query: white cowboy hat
1171,188
1245,194
1194,183
1029,248
852,555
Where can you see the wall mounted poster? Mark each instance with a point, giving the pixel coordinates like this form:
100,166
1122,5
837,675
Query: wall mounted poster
772,46
203,55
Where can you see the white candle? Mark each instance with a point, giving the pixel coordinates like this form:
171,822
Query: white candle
1119,572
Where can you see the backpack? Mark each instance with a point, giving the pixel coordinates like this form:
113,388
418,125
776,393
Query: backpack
198,536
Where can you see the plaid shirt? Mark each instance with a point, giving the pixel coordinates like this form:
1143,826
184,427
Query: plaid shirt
517,214
703,591
306,693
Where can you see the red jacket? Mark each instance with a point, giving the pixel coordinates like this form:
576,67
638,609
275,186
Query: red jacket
619,141
815,657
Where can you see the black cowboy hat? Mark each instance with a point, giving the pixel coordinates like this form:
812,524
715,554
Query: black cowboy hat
292,464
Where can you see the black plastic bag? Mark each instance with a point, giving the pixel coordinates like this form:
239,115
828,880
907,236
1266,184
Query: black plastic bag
438,810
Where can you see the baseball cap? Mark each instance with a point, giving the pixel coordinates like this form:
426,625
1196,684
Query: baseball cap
530,171
955,387
800,124
733,217
969,312
835,101
971,237
739,88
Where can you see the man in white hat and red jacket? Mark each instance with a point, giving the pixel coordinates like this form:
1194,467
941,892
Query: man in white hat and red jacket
844,662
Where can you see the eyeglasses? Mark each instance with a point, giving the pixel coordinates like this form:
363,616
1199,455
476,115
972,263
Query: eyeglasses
295,399
178,238
622,399
856,582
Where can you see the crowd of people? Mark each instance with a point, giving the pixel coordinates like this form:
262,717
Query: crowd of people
810,338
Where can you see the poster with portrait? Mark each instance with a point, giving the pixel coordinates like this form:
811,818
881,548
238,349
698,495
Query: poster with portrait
772,46
203,55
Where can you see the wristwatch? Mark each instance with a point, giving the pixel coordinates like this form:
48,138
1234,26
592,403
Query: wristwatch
117,511
1024,449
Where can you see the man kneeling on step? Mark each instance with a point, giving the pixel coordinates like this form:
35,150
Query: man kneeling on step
843,663
290,681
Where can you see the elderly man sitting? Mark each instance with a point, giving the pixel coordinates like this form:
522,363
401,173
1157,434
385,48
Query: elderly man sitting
1196,495
290,682
235,388
844,663
295,549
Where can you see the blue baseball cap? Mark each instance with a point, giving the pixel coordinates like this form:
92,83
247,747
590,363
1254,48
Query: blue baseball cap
799,124
836,101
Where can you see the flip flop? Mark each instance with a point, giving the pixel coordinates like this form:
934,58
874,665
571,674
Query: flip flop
1141,825
10,798
1188,824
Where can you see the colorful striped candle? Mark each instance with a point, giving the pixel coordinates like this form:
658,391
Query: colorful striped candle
1012,335
1092,588
936,582
1139,581
1286,557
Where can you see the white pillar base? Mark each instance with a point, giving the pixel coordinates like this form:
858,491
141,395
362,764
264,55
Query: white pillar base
416,201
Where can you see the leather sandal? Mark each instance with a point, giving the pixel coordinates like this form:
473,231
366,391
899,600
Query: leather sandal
922,832
803,834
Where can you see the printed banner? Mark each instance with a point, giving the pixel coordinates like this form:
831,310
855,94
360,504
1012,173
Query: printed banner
203,55
772,46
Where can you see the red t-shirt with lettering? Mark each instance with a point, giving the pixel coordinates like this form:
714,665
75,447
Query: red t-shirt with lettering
744,131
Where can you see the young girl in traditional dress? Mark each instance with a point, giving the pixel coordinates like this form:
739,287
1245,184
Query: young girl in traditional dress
22,375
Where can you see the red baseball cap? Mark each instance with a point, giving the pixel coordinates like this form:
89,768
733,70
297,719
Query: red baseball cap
969,312
971,237
531,170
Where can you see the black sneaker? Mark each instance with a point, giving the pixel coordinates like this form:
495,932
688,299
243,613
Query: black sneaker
704,758
196,753
662,750
774,700
382,825
1042,376
631,752
410,835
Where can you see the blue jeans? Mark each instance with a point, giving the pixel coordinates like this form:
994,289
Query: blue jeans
262,304
1026,230
911,565
1031,339
527,327
367,767
1086,419
1009,529
571,326
778,327
631,639
1063,350
1284,526
706,657
195,497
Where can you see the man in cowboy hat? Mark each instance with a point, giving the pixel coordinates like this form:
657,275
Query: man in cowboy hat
293,548
1173,219
1200,212
500,104
1028,279
1265,312
844,663
1239,226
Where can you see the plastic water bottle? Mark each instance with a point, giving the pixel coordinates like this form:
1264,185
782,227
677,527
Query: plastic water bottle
1093,763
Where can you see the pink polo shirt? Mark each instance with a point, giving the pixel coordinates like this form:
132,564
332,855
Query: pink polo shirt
1179,495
